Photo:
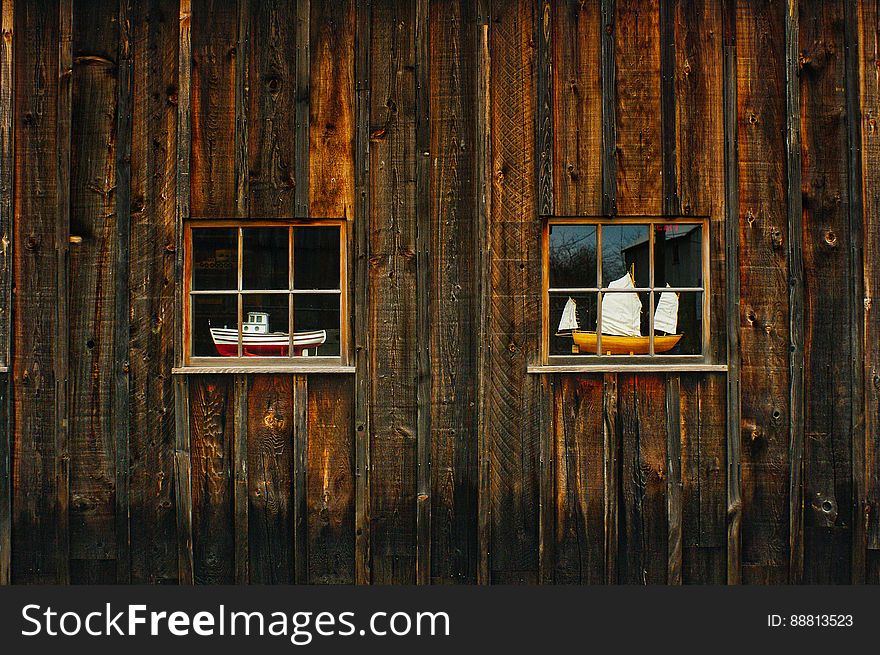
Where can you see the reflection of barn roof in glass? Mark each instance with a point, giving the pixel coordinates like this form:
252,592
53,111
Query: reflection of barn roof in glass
677,232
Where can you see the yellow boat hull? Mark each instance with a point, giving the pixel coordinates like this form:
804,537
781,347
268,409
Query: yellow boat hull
585,342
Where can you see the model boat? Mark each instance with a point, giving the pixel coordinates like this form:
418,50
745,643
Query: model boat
257,341
621,323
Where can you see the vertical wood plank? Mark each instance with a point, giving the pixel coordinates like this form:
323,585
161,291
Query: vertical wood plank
62,288
609,109
513,332
673,480
393,289
182,446
542,31
643,513
453,311
183,477
363,358
424,296
867,477
331,480
153,547
272,430
240,495
699,132
483,193
212,426
764,297
732,278
93,222
703,433
300,500
611,475
828,311
7,188
121,398
578,466
855,177
214,62
303,68
795,294
271,109
637,113
331,111
577,107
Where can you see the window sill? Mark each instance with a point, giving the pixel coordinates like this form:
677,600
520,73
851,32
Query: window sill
297,370
628,368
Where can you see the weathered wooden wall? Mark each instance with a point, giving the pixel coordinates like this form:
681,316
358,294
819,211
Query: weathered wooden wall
440,130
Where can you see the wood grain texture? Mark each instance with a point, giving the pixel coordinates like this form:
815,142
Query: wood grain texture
732,278
214,54
34,502
577,108
7,189
828,491
212,429
643,511
332,111
92,301
513,326
764,338
637,93
151,292
361,287
392,279
578,467
869,503
703,440
240,489
271,101
453,314
330,480
120,413
270,426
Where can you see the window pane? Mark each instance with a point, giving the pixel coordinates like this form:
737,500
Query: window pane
674,315
215,259
678,255
572,256
625,317
625,248
215,325
264,264
580,316
316,325
316,257
264,328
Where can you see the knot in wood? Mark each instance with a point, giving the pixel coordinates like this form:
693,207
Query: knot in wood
830,238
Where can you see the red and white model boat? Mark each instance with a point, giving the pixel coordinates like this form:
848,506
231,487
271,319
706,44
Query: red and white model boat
257,341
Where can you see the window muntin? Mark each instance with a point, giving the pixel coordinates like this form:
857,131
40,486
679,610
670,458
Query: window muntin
248,283
638,260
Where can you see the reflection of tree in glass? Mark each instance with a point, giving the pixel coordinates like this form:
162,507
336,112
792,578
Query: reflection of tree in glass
573,257
616,240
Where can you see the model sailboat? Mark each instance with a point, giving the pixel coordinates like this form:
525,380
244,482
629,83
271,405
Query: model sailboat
257,341
621,323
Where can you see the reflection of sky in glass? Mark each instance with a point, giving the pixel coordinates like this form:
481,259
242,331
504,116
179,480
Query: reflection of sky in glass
572,256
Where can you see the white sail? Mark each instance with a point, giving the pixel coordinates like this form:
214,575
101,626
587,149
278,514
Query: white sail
621,311
666,315
569,320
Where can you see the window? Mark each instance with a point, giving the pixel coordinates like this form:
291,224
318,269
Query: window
264,292
630,290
